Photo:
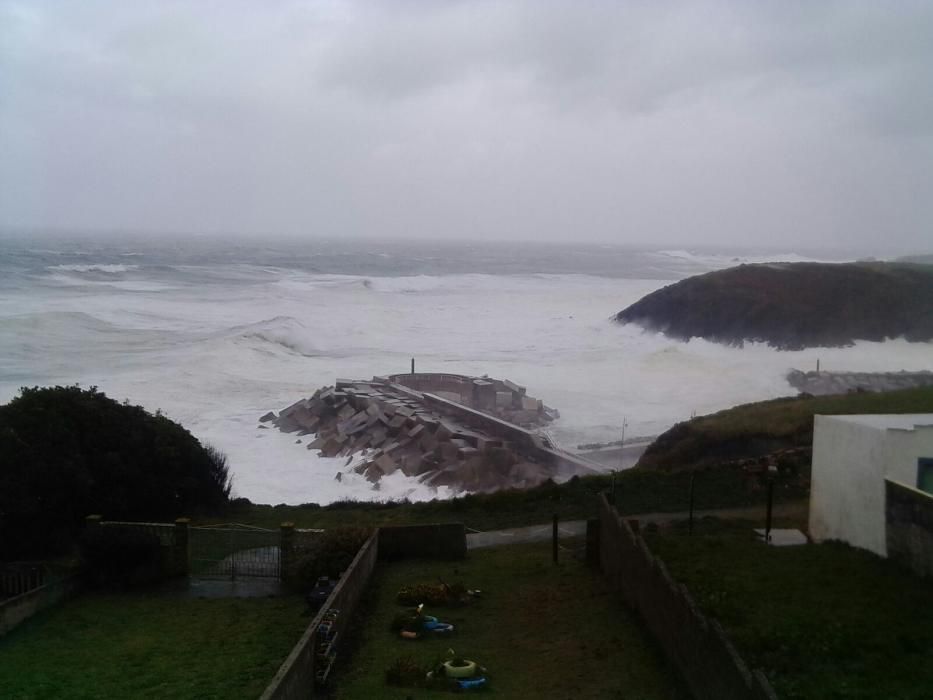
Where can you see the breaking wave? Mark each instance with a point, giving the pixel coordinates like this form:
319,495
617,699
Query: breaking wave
108,269
282,331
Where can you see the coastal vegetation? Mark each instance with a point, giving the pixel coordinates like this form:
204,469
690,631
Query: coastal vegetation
779,427
67,452
793,306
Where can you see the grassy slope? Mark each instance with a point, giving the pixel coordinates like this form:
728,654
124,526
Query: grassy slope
755,429
823,621
541,631
123,646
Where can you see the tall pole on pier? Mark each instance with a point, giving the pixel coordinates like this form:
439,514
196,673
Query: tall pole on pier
413,365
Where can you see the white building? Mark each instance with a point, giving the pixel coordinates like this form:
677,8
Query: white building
852,458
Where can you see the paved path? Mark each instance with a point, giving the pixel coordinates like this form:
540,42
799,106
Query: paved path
534,533
577,528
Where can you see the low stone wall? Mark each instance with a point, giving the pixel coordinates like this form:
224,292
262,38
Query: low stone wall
444,541
16,610
694,644
909,526
295,677
451,383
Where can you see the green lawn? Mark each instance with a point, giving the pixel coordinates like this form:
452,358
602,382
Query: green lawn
822,621
542,631
136,646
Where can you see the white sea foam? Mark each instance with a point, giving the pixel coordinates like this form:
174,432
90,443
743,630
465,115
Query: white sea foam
719,261
108,269
217,356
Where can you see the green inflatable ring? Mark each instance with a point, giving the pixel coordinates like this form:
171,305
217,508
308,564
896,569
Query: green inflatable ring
460,671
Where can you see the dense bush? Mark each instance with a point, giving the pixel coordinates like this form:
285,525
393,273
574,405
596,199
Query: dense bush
433,594
330,556
119,556
67,452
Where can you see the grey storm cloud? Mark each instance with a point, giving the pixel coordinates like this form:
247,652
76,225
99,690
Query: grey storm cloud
764,123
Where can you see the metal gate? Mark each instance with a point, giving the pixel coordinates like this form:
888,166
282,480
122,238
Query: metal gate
233,551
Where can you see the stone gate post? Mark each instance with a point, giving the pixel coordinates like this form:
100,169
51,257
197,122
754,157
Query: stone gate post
180,552
286,550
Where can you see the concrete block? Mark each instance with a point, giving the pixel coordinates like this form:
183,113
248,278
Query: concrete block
484,443
331,447
386,464
530,404
301,403
372,473
444,432
428,442
514,388
448,451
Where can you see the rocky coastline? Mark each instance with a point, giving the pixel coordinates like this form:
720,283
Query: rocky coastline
467,433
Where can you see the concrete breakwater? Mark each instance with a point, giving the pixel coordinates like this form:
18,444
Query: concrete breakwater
456,435
823,383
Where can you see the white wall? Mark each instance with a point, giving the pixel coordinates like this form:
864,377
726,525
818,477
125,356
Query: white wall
851,458
904,448
847,483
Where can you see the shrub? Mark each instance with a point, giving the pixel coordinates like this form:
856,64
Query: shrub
67,452
433,594
120,556
330,555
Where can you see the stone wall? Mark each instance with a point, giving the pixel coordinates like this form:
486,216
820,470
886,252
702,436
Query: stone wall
446,541
693,643
295,677
174,553
435,382
20,608
909,526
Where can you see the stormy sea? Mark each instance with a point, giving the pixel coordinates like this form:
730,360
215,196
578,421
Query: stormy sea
215,332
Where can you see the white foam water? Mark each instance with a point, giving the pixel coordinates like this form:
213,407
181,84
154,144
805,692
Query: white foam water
216,342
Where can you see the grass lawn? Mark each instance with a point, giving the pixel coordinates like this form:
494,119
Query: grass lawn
138,646
542,631
823,621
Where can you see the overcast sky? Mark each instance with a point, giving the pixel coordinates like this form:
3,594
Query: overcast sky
756,123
